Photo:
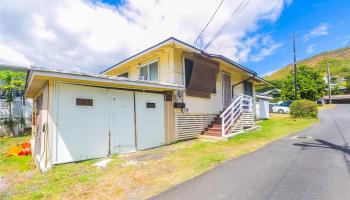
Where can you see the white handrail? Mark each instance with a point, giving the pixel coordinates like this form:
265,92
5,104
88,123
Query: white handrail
231,113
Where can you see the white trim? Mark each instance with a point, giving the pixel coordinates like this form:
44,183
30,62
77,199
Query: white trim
55,129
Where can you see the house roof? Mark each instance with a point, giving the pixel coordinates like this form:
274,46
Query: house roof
195,49
38,77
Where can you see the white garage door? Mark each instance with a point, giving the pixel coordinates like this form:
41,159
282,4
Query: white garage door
122,121
149,120
82,123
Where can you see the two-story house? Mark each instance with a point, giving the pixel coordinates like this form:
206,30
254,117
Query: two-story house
169,92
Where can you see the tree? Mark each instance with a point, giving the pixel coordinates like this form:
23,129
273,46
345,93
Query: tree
10,82
310,85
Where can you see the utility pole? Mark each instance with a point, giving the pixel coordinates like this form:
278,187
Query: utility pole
329,85
294,70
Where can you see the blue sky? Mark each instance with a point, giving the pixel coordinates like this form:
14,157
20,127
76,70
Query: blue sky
302,17
83,35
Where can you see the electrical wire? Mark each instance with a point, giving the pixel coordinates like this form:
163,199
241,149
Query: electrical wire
200,34
236,12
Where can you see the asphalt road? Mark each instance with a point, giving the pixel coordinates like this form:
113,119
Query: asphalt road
314,168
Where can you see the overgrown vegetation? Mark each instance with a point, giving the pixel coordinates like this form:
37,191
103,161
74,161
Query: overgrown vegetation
304,108
142,174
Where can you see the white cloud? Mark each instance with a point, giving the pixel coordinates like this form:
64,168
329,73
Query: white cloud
10,56
269,73
310,48
321,29
89,35
267,47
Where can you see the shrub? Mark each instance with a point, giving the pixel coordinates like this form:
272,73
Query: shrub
304,109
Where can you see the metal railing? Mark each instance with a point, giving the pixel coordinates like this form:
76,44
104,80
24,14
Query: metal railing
242,103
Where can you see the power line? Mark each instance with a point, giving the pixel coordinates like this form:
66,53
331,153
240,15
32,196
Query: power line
229,20
195,43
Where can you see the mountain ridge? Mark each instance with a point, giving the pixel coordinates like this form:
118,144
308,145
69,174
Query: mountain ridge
339,60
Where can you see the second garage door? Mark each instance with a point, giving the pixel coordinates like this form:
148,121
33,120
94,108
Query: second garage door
149,120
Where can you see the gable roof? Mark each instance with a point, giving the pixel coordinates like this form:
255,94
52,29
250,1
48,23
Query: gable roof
195,49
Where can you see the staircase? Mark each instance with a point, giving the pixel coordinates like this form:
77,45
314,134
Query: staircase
245,121
237,117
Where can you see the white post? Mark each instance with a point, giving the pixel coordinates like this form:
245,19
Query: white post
223,126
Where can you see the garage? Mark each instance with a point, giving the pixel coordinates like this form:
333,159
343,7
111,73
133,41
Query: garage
93,122
87,116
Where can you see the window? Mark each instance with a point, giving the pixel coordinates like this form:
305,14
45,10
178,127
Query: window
84,102
149,71
125,75
248,88
188,71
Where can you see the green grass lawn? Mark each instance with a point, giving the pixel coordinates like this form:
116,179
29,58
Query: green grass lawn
138,175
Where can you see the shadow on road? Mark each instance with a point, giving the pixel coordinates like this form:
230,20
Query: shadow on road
345,150
324,144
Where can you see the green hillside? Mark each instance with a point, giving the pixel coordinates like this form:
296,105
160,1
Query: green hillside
338,59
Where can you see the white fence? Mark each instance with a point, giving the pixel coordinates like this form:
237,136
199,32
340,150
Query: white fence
19,109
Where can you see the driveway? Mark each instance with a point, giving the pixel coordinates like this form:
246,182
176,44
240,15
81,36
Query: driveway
314,167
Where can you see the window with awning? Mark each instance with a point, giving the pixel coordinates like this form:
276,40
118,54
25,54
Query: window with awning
200,76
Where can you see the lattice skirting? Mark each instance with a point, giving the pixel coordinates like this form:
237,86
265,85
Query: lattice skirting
188,126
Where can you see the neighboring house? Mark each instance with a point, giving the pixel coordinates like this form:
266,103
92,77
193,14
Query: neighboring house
169,92
21,107
274,93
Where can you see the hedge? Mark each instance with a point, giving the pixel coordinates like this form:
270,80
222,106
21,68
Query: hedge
304,109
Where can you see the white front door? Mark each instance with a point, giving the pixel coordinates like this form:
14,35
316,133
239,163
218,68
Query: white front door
122,122
149,120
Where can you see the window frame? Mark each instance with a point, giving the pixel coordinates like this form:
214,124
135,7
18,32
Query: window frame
148,70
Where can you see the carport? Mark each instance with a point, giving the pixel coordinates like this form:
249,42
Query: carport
80,116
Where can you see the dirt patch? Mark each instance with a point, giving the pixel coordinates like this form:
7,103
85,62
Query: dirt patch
147,157
3,184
